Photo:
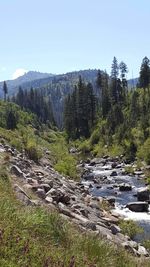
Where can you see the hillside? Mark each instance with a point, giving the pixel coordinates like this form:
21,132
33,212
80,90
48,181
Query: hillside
28,77
47,219
55,88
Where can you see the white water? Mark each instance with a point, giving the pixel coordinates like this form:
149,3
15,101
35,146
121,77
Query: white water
122,198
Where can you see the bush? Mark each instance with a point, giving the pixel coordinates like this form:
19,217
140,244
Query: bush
94,139
130,228
144,151
85,147
67,166
32,151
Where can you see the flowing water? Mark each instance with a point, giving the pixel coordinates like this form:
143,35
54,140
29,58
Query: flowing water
108,186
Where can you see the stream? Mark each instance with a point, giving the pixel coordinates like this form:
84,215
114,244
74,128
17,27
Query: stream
104,180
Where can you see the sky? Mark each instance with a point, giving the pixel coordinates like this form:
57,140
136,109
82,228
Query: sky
59,36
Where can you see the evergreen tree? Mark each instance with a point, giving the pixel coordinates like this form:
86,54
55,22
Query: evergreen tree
11,120
5,90
144,79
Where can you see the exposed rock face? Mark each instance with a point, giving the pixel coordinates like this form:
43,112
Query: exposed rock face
138,206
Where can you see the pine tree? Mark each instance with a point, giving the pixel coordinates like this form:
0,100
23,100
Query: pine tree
144,79
5,90
11,120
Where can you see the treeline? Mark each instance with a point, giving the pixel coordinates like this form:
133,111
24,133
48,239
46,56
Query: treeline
35,102
80,111
122,119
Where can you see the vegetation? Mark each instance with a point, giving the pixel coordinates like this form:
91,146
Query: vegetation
35,102
37,237
122,120
80,111
130,228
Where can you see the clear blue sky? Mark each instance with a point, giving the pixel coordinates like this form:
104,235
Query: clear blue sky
59,36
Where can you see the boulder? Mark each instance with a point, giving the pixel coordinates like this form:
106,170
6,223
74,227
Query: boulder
114,173
49,199
88,176
125,187
138,206
41,193
111,200
16,170
142,251
90,225
115,229
143,194
114,165
46,187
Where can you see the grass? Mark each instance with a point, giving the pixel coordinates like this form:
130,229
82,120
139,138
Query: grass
130,228
35,237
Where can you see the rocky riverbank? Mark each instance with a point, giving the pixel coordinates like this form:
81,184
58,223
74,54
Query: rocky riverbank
40,184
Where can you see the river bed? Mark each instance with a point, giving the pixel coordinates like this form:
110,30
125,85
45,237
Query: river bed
105,184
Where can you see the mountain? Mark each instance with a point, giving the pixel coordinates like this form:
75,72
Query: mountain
55,87
132,83
28,77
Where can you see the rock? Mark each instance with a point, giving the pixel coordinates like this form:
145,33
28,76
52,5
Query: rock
49,182
84,212
41,193
46,187
111,200
142,251
49,199
114,165
88,177
90,225
115,229
128,245
73,150
143,194
138,206
114,173
16,170
58,196
125,187
22,196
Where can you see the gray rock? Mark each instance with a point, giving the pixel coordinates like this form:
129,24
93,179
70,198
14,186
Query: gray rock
138,206
142,251
143,194
114,173
125,187
46,187
41,193
111,200
16,170
49,199
90,225
22,196
115,229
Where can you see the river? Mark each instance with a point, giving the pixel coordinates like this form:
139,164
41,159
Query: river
104,181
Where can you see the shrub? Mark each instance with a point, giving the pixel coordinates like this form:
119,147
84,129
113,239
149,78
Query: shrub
67,166
144,151
32,151
85,147
130,228
94,139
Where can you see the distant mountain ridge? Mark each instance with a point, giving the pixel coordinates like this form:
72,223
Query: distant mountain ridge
55,87
30,76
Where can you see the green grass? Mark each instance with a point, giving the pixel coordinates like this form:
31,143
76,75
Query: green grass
130,228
